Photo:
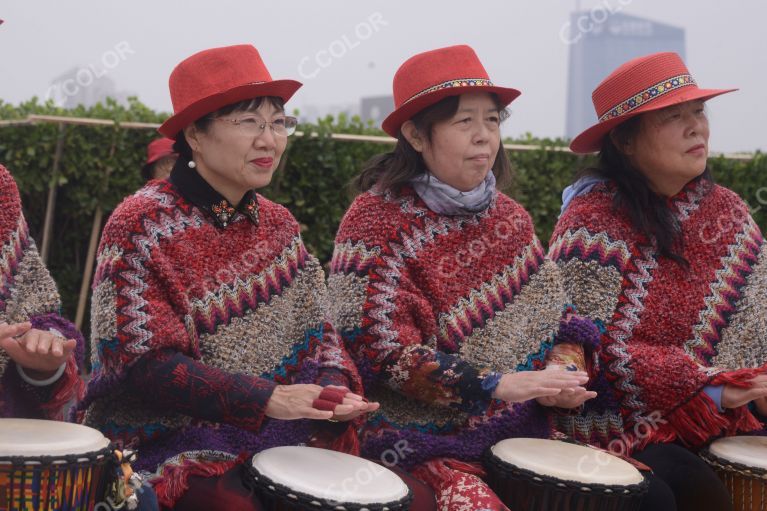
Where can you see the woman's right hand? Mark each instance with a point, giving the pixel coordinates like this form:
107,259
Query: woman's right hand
525,385
290,402
733,396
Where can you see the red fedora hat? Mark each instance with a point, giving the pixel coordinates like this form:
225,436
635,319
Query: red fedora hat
640,85
157,149
212,79
428,77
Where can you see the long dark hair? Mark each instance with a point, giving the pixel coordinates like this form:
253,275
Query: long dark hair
649,212
181,146
393,170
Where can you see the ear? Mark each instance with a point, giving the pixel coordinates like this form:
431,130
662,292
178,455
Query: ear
192,137
412,135
625,146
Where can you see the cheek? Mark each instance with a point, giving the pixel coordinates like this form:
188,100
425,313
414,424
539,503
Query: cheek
279,148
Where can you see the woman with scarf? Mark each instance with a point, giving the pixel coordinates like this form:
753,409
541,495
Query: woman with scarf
442,291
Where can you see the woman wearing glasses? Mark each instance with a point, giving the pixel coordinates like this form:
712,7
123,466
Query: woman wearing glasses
207,309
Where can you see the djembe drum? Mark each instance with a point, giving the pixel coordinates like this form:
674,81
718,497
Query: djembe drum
741,462
548,475
56,466
299,478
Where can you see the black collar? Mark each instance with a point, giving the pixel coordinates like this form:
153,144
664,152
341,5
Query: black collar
196,190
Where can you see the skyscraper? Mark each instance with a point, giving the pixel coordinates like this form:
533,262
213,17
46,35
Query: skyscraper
599,42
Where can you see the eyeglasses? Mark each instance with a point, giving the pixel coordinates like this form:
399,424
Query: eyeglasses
254,126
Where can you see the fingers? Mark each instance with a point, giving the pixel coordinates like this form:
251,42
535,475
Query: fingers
546,391
67,347
13,348
313,413
14,329
44,342
29,341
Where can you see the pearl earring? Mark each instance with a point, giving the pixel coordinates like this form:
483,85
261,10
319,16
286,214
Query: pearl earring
191,164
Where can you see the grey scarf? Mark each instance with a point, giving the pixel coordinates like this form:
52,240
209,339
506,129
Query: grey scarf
446,200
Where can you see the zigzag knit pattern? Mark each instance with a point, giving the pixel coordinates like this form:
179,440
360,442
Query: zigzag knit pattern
28,293
428,305
247,301
667,330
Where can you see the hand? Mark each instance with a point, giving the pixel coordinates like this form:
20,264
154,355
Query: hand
39,353
567,398
367,407
733,397
290,402
525,385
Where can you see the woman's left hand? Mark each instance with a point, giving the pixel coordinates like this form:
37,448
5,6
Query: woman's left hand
360,406
38,352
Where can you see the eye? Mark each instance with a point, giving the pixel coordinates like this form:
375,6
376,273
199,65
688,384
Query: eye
250,121
279,122
465,120
494,119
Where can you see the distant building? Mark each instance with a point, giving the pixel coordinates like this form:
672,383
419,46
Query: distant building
596,48
83,86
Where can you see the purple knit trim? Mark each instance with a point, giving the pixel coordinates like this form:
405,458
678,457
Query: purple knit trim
223,438
578,330
12,402
67,329
218,437
528,420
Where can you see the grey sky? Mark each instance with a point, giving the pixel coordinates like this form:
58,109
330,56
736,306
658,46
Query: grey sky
518,40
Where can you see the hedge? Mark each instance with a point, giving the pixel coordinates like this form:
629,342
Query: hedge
100,165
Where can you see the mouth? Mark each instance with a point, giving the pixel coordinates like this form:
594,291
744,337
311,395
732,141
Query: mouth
697,149
480,158
264,163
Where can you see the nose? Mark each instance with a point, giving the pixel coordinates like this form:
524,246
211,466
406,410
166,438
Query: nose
481,134
267,139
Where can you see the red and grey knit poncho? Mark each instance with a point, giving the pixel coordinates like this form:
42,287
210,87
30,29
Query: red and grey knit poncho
429,305
668,331
200,309
28,293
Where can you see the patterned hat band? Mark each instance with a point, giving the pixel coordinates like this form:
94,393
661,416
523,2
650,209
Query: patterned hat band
460,82
649,94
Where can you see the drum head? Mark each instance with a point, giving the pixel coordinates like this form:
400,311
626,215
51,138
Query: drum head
28,437
750,451
330,475
566,461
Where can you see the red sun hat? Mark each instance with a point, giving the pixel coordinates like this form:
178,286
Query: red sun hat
212,79
428,77
158,149
640,85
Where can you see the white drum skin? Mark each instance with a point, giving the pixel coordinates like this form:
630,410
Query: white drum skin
31,437
566,461
329,475
746,450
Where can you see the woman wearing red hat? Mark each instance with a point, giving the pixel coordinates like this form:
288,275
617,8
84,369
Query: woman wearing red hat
160,159
674,269
208,320
39,349
441,289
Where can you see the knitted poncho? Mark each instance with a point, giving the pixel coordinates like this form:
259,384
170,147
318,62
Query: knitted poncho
668,330
429,305
28,293
199,310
